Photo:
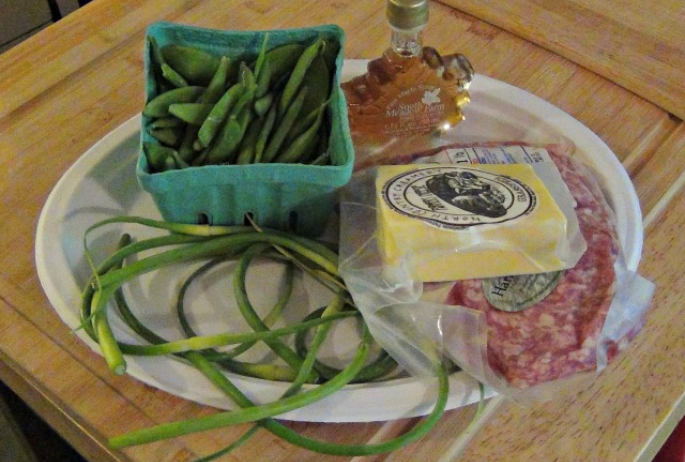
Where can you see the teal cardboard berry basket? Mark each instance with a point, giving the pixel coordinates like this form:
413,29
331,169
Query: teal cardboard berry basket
291,197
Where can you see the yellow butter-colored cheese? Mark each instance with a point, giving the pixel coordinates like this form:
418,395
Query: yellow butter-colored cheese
449,222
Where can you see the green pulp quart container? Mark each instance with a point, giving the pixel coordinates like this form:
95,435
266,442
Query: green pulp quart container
291,197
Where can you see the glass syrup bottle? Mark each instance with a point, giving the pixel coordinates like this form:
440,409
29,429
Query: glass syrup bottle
408,93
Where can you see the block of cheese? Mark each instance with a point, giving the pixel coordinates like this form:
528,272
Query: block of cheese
451,222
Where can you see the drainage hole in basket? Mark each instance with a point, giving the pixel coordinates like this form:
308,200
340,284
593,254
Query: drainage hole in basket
249,218
293,221
203,219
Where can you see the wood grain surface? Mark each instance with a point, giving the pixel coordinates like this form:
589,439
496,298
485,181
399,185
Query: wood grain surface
71,84
638,45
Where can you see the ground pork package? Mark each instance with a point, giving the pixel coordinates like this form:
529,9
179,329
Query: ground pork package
529,336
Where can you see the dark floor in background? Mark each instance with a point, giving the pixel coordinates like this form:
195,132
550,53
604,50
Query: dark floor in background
45,443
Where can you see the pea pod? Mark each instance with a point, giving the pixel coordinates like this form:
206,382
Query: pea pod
261,58
163,71
247,77
282,60
284,126
264,133
244,101
318,81
180,163
298,150
330,54
173,77
246,155
166,122
156,156
263,79
305,122
218,114
196,66
186,150
228,141
217,86
263,104
297,75
157,59
159,105
167,136
192,113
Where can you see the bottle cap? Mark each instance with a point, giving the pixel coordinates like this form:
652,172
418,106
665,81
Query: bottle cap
407,14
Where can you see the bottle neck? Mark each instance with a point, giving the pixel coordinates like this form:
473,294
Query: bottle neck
407,42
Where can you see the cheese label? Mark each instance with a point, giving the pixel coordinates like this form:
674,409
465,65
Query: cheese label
451,197
450,222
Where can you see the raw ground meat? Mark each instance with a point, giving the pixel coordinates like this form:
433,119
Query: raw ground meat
557,336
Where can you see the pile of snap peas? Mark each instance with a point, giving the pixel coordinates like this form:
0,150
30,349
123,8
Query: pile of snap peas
216,110
214,245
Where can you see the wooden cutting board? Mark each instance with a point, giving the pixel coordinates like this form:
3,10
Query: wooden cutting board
638,45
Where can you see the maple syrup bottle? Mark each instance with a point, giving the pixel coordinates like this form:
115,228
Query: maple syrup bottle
407,95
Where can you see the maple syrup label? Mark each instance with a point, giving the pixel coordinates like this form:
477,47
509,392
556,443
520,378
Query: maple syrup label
416,110
416,101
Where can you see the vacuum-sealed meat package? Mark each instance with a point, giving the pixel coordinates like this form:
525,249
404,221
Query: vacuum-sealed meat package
521,334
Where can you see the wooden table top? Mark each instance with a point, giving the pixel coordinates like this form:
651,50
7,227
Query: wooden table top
74,82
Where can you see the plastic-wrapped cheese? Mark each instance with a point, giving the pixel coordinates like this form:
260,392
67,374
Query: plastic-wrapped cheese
451,222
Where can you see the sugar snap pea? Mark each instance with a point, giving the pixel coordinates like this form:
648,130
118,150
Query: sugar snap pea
180,163
246,155
227,141
269,110
225,149
282,60
159,105
264,133
157,59
218,114
156,156
173,77
318,81
192,113
166,122
163,71
247,77
261,57
217,86
299,149
297,75
195,65
330,54
168,136
170,163
186,150
262,105
245,118
279,136
245,100
263,79
305,122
